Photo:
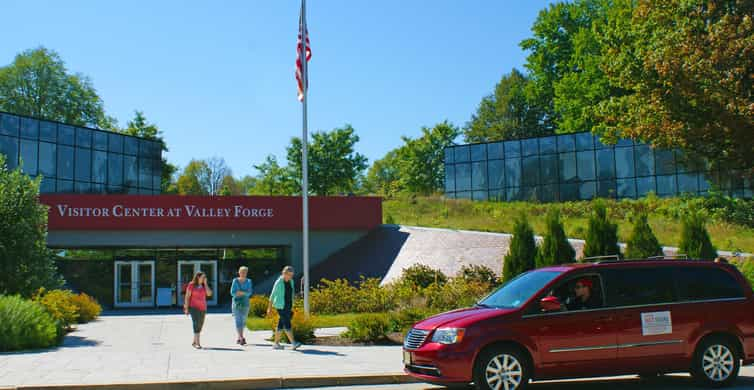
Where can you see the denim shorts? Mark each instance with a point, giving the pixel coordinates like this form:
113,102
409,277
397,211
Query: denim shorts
240,312
284,323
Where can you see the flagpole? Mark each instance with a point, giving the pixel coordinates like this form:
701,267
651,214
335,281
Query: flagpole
304,159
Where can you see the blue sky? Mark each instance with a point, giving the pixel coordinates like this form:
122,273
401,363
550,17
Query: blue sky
218,77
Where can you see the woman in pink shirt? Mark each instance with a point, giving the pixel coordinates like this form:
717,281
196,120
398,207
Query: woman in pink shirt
196,304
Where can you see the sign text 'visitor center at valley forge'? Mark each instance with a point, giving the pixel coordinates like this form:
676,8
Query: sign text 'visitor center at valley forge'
119,240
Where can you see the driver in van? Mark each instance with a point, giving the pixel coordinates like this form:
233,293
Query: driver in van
584,296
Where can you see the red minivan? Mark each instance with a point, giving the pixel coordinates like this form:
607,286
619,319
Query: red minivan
645,317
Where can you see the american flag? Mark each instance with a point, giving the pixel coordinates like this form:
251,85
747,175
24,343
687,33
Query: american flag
301,73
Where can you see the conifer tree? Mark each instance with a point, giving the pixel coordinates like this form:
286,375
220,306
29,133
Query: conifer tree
602,235
555,247
642,243
695,241
523,250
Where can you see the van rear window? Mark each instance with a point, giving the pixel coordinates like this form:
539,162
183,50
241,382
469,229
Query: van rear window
639,286
702,283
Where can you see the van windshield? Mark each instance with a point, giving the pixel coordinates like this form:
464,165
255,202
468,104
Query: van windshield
514,293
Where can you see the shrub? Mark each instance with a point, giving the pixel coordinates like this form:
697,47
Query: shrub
523,250
60,305
478,273
334,297
24,325
642,243
602,235
373,298
258,305
303,327
369,327
422,276
695,241
404,319
87,307
455,294
555,247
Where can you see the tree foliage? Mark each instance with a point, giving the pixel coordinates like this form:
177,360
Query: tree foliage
25,262
601,235
642,243
555,248
421,160
139,126
383,177
522,253
695,241
272,179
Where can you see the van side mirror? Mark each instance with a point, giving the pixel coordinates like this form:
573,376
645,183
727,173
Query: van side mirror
550,303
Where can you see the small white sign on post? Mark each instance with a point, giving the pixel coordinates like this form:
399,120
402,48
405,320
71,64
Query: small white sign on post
654,323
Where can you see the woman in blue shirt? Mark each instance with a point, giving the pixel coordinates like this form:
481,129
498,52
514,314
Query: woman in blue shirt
241,290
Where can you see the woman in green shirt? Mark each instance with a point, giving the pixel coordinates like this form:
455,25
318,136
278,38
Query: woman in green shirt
281,299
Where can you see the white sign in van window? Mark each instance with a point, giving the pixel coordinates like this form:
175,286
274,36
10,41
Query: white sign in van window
658,322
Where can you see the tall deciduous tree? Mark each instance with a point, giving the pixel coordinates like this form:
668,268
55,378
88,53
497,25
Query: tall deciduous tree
272,179
523,250
204,177
334,165
421,160
383,177
38,84
188,181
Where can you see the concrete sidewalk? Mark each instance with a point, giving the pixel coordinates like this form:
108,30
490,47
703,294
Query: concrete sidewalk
157,348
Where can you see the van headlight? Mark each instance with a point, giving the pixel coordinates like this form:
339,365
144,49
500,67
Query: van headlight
448,335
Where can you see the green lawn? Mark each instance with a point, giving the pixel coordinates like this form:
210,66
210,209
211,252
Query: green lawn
498,217
323,321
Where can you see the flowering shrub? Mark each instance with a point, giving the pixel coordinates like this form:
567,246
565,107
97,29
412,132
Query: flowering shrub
87,307
258,305
303,327
60,305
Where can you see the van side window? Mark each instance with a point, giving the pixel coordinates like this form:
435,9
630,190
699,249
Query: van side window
702,283
639,286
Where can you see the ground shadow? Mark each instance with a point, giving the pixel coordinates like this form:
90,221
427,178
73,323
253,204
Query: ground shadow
318,352
223,349
71,341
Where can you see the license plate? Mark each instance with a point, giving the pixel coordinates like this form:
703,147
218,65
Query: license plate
406,358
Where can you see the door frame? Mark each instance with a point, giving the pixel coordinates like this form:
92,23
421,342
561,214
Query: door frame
135,264
211,301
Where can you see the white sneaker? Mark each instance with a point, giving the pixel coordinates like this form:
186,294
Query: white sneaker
277,346
296,345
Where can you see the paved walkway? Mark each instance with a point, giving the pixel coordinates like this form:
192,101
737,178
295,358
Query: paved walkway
146,348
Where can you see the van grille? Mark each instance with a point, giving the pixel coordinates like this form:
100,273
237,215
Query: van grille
415,338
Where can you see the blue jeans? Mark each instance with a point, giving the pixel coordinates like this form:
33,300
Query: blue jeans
284,323
240,312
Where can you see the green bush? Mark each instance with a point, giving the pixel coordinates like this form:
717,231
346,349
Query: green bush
404,319
555,247
303,327
642,243
457,293
25,325
523,250
373,298
60,305
87,307
695,241
334,297
602,235
422,276
478,273
370,327
258,305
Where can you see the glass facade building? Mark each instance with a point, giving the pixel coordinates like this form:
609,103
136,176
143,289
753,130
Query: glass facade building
74,159
577,167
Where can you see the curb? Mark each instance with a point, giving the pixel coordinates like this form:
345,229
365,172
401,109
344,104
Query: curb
233,384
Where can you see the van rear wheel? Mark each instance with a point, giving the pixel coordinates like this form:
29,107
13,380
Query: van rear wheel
716,363
502,368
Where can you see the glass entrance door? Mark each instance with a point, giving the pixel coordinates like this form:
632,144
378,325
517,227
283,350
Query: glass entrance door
186,271
134,284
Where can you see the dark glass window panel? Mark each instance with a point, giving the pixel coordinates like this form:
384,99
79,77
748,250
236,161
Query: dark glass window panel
567,167
47,185
98,188
512,149
116,143
463,177
450,177
585,165
704,182
463,195
598,144
9,147
478,152
115,169
626,188
645,185
513,193
83,164
645,162
462,153
135,190
479,195
100,140
99,167
566,143
666,185
688,183
639,286
83,138
120,190
83,187
495,150
548,145
65,163
29,157
606,189
664,162
448,195
66,135
703,283
530,174
47,159
587,190
29,128
569,191
624,162
530,147
624,142
606,163
48,131
129,140
479,175
548,193
497,195
548,167
157,148
496,169
584,141
9,125
131,171
131,146
512,172
65,186
528,194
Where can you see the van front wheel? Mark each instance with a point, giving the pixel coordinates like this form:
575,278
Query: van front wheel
501,368
716,363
